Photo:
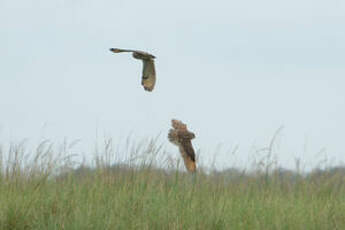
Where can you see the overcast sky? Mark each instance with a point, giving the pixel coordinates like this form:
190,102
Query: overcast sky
234,71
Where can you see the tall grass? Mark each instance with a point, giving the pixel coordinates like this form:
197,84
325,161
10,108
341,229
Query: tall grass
45,189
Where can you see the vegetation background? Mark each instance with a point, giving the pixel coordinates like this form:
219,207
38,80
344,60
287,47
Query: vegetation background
47,189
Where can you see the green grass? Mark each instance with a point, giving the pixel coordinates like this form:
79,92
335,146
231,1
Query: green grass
143,197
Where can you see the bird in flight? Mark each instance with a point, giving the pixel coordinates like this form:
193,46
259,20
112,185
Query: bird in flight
181,136
148,79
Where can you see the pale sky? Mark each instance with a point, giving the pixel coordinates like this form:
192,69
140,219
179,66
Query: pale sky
234,71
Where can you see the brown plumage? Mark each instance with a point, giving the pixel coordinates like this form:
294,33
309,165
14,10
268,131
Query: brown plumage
180,136
148,78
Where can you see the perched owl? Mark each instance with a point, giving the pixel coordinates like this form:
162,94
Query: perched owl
180,136
148,78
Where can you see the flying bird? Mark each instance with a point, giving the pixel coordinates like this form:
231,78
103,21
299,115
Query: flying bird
181,136
148,79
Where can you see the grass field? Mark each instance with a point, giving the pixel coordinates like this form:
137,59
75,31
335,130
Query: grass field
43,192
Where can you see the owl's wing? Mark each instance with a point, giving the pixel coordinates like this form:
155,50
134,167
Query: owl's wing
176,124
173,136
148,79
186,144
188,155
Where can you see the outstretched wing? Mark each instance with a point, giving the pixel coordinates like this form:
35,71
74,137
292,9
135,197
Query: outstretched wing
187,153
173,136
187,146
148,79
